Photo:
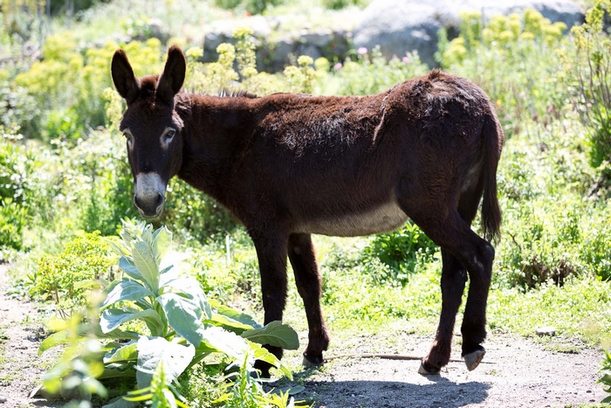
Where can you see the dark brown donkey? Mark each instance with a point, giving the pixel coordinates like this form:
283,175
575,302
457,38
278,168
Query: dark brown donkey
288,166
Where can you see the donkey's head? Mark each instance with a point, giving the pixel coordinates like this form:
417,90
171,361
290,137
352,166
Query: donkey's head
152,127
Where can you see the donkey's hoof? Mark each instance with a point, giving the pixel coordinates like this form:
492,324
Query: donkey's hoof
425,369
473,359
312,360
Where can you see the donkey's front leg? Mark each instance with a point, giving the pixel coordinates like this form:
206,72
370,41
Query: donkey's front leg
301,255
271,252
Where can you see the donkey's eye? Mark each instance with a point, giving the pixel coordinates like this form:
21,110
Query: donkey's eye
129,137
169,135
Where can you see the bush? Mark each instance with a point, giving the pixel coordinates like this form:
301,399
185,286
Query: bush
158,323
509,57
591,67
67,85
403,251
251,6
340,4
369,72
16,188
63,277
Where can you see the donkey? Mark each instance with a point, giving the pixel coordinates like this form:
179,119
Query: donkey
288,166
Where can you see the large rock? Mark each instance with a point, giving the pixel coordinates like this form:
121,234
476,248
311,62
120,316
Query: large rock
277,47
401,26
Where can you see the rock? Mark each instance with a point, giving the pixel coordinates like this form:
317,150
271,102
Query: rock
546,331
402,26
279,43
3,399
153,28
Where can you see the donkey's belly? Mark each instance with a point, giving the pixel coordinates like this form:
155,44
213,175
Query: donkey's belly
385,217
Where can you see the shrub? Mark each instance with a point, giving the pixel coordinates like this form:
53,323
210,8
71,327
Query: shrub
369,72
402,251
340,4
591,67
63,276
509,57
251,6
16,188
67,84
169,327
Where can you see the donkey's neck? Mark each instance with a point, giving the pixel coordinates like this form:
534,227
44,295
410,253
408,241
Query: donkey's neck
215,131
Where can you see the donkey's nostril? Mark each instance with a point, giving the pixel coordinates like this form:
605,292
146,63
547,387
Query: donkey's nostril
149,205
137,202
159,200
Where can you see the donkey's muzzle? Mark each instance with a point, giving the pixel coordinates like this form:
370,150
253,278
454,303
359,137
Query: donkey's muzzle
149,206
149,194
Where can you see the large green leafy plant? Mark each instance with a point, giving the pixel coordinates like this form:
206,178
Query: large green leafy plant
157,323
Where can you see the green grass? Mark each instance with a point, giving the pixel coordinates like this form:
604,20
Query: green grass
353,303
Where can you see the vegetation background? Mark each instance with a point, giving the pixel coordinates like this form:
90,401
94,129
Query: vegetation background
65,185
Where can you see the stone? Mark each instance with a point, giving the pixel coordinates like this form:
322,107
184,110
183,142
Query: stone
399,27
546,331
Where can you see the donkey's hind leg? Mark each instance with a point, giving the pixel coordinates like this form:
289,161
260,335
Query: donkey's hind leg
307,278
448,229
453,278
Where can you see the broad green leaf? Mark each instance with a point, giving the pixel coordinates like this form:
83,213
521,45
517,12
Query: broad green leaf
151,351
228,323
144,260
118,370
167,275
162,241
226,342
261,353
125,290
190,287
184,316
114,334
274,334
127,352
113,318
53,340
130,269
235,315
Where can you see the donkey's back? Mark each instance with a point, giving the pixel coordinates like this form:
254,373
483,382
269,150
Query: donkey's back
334,165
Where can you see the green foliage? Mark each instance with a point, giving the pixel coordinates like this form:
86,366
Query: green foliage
67,85
63,277
403,251
340,4
197,216
592,67
182,327
370,72
74,376
251,6
16,187
509,57
605,379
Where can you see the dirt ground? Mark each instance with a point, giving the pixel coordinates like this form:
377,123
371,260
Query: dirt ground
516,372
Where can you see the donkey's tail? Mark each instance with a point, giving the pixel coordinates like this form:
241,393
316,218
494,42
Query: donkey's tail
493,137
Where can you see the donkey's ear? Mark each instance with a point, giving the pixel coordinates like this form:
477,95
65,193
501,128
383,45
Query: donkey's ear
123,76
173,75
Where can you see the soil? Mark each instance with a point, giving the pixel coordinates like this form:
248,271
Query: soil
516,372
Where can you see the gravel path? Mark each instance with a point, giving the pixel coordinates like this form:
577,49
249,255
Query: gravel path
516,372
